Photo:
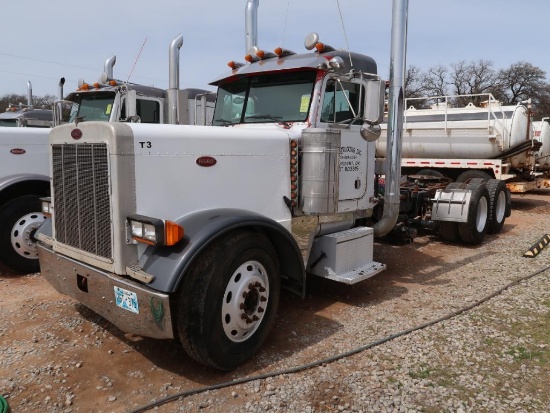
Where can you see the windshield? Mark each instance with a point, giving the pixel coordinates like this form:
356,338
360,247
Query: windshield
92,107
275,97
8,122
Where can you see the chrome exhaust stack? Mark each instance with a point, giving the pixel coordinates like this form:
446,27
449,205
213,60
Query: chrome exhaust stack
29,94
251,24
60,88
395,118
174,80
108,66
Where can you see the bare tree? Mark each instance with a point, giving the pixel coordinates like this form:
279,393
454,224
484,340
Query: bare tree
520,81
472,79
45,102
541,104
38,102
435,82
413,86
12,99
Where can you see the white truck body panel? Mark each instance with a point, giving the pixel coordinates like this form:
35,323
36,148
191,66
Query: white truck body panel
25,151
244,165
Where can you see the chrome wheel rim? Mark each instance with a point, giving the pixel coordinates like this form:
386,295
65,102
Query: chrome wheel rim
22,235
245,301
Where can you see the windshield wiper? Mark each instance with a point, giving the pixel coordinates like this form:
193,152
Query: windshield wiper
270,117
223,121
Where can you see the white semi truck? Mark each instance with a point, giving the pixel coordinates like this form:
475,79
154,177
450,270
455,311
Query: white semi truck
114,100
24,179
26,115
24,171
190,232
465,141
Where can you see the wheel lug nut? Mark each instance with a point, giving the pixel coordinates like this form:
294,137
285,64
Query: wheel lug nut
262,289
243,316
245,294
255,318
263,299
257,284
242,306
248,321
250,286
261,309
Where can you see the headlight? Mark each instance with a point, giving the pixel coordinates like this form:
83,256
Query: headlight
154,231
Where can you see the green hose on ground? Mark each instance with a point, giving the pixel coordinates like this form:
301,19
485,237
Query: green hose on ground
4,406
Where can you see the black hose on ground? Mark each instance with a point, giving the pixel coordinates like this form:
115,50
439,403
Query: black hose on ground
338,356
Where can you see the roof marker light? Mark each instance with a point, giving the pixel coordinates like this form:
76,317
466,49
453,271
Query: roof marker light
279,51
235,65
262,54
251,57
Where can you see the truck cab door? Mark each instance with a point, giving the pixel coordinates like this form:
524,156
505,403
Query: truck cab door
342,108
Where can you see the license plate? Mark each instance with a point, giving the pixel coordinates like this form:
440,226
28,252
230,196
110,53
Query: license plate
127,300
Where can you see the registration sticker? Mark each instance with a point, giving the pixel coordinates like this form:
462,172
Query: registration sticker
304,103
127,300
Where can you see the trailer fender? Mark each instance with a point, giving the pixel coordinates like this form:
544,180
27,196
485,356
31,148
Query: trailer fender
168,265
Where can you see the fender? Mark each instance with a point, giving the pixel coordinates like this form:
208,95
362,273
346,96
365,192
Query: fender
11,181
169,264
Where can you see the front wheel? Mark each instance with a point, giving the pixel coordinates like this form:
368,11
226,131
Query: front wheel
228,300
19,220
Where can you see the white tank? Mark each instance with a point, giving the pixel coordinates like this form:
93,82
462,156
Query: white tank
470,132
542,133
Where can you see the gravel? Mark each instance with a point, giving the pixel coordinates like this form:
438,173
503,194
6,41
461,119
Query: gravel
58,356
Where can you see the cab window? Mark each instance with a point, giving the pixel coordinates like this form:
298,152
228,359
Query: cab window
341,102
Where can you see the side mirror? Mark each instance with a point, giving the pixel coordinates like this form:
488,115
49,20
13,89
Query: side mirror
374,101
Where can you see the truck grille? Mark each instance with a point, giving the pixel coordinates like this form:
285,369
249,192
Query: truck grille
81,197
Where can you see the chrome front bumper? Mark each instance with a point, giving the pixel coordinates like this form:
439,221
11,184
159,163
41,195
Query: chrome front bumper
132,307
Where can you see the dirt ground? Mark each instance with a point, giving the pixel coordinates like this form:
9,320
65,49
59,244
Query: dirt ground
59,356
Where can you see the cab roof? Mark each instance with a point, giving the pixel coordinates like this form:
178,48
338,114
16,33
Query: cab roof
361,63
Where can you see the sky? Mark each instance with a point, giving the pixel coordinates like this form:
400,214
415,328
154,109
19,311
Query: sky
73,39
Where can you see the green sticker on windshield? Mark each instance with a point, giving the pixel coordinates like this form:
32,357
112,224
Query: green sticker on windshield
109,108
304,104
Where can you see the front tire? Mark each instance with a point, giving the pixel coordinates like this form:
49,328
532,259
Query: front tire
19,220
228,300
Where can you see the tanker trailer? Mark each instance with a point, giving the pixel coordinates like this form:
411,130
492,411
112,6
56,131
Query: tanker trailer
542,134
442,138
